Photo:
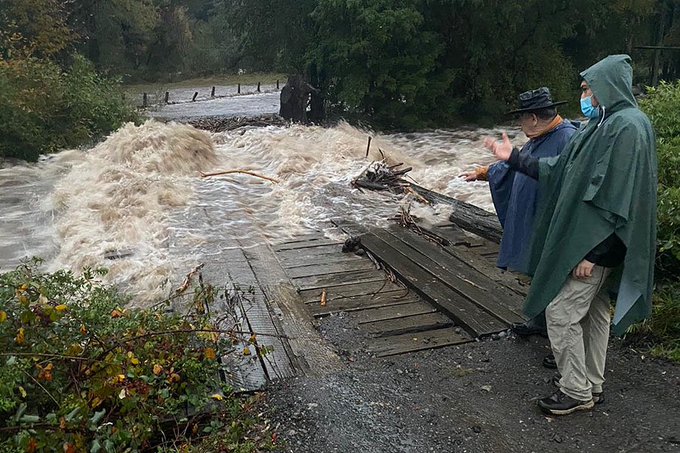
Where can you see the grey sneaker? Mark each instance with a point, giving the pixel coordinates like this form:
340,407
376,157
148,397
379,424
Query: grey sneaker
561,404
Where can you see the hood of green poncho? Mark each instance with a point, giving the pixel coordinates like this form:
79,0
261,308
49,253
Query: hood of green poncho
611,81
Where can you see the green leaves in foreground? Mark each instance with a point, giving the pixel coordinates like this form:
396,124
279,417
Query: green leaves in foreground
80,372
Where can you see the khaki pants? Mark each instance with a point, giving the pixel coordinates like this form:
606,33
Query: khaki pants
578,328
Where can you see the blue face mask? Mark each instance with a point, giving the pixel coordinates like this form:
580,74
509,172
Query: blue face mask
587,108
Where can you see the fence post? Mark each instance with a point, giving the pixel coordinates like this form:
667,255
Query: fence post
145,100
194,98
277,84
258,87
212,92
167,96
238,90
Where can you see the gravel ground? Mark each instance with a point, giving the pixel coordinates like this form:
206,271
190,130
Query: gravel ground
479,397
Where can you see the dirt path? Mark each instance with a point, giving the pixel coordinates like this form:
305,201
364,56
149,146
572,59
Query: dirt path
479,397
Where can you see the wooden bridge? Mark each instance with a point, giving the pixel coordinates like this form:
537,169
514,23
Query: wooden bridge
410,289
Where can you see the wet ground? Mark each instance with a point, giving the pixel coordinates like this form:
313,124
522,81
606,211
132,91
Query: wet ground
478,397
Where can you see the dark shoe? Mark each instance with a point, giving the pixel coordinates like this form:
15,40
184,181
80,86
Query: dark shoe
598,398
526,329
561,404
549,362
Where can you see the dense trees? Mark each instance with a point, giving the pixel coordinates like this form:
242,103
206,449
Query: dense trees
398,63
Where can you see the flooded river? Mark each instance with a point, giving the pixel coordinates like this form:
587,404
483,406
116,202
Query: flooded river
137,205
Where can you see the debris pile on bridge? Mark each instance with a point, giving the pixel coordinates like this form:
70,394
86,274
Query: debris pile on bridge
381,176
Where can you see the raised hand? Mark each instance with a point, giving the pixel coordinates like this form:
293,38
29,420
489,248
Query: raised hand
502,150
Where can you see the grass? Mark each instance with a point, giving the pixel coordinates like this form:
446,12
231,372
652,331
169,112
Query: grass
204,82
661,332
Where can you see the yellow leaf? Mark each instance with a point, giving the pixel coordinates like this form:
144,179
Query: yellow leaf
3,316
22,391
217,397
246,351
157,369
210,354
61,308
134,361
21,336
96,402
120,378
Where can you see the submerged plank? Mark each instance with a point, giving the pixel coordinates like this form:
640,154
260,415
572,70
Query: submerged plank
307,244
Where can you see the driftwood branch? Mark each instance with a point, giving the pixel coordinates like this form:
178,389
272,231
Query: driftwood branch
244,172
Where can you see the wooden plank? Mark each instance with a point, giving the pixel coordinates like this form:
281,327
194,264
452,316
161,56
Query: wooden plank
343,278
353,304
308,353
401,344
357,289
321,259
464,312
408,324
484,267
296,254
396,311
460,278
330,268
307,244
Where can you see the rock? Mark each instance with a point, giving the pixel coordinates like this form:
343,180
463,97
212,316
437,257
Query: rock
477,429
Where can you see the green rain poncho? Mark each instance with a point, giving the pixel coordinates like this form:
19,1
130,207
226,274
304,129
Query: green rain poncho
604,182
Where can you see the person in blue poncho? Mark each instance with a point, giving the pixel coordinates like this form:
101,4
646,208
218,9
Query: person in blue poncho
515,194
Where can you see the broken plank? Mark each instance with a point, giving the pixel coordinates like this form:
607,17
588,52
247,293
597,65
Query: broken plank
409,324
464,280
330,268
343,278
405,343
361,303
395,311
358,289
463,311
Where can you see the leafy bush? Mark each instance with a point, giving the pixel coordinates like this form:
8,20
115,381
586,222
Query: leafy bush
79,372
663,107
44,109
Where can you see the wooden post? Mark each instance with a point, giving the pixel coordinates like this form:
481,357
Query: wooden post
277,84
167,96
145,100
238,90
258,87
212,92
368,148
194,98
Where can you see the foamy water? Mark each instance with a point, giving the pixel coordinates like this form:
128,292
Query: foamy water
137,205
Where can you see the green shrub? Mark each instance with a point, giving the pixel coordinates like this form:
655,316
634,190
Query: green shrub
80,372
44,109
663,107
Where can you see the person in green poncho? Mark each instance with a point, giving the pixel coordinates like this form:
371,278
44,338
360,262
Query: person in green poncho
597,211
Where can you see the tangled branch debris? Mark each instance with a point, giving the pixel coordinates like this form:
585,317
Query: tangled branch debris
380,176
